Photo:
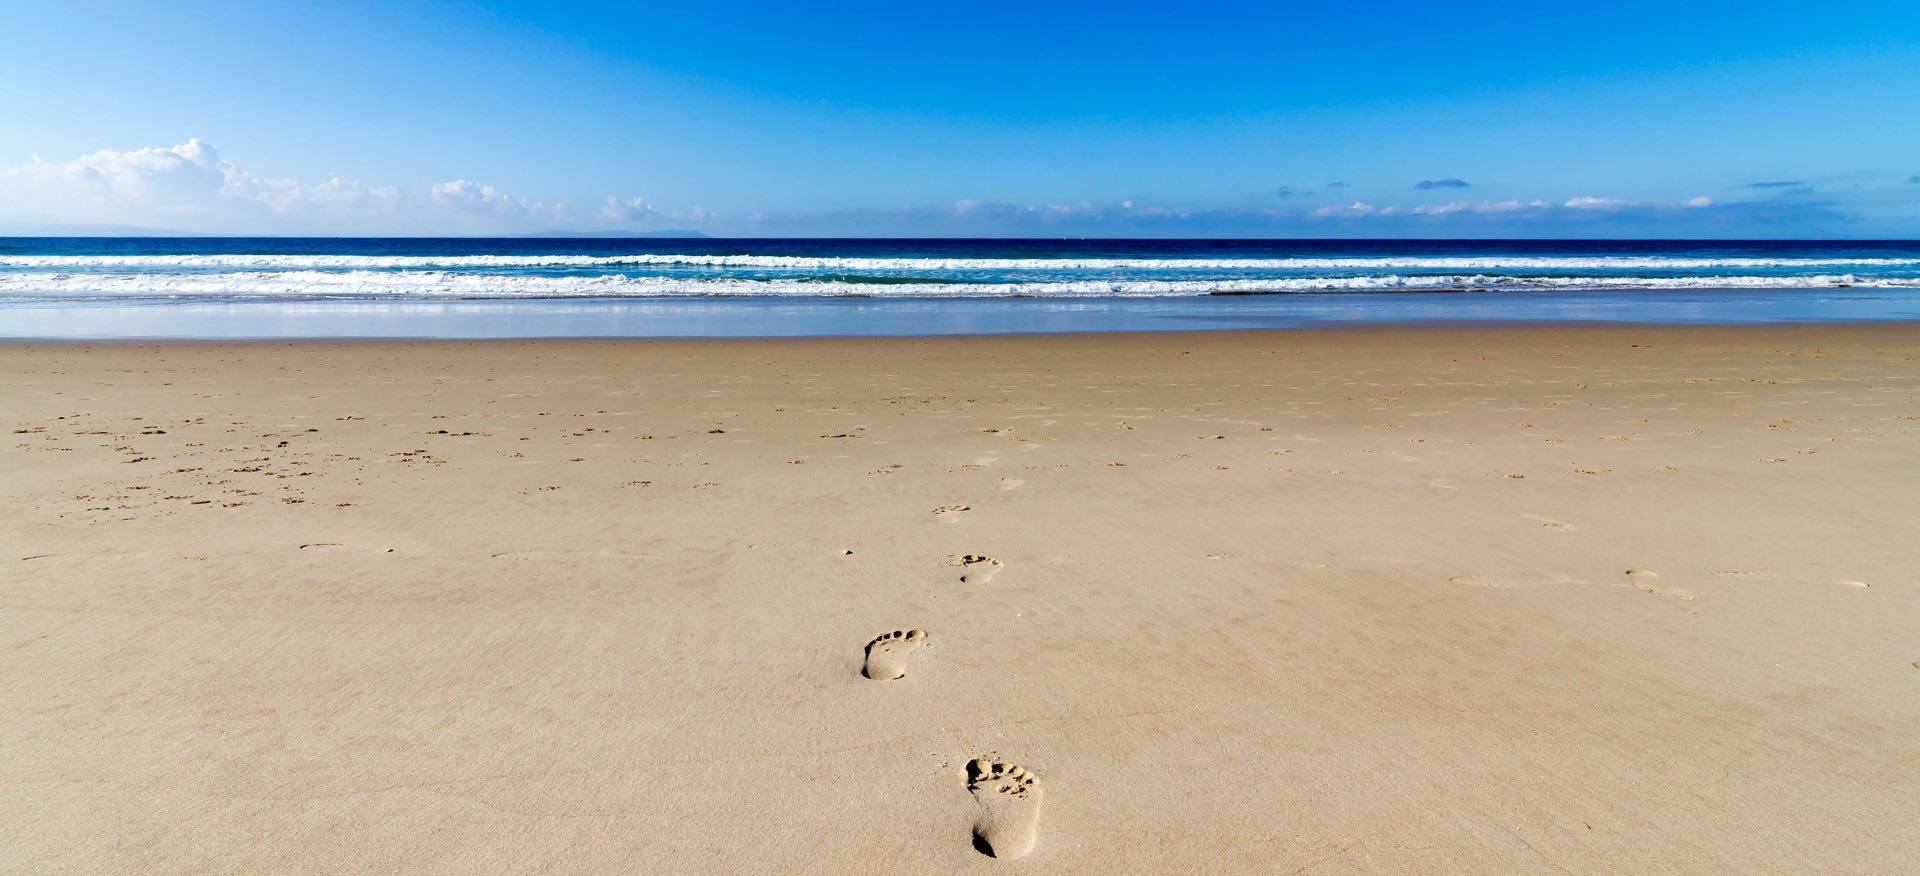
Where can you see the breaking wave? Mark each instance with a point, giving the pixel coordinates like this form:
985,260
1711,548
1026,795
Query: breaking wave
819,263
430,284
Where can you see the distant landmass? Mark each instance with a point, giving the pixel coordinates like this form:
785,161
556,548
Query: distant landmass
615,234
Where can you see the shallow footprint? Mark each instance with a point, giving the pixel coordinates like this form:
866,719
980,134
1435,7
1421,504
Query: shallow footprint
978,568
1547,522
887,655
1769,576
1008,797
1505,582
1643,581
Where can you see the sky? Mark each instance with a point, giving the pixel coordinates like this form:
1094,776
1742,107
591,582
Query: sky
1027,119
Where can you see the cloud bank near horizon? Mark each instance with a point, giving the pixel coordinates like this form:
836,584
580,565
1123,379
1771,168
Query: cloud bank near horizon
192,188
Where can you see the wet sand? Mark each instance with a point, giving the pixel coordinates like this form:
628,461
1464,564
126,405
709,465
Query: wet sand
1520,599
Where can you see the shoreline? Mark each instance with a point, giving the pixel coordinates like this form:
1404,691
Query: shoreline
1448,598
581,318
1520,328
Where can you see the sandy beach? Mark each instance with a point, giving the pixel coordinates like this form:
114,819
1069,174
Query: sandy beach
1522,599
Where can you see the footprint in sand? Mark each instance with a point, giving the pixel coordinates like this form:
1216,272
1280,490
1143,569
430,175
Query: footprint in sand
1547,522
1263,558
977,568
1643,580
887,655
1769,576
519,555
1008,798
1507,582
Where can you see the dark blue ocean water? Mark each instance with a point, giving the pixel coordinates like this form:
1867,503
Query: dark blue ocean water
518,287
948,248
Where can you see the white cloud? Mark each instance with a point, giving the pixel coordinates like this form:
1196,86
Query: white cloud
482,202
180,180
1362,209
1586,206
192,187
1480,207
1591,203
634,209
1512,217
624,213
189,184
1357,209
468,195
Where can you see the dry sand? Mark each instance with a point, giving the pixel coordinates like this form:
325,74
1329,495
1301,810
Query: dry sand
1592,600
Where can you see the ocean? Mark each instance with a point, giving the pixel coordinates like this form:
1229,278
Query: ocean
221,288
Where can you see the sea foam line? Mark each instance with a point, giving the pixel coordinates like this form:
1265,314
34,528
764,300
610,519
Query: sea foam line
21,286
816,263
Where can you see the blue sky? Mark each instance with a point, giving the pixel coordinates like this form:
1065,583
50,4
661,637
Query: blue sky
1762,118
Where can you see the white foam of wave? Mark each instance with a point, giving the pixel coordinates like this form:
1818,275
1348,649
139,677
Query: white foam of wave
813,263
455,285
